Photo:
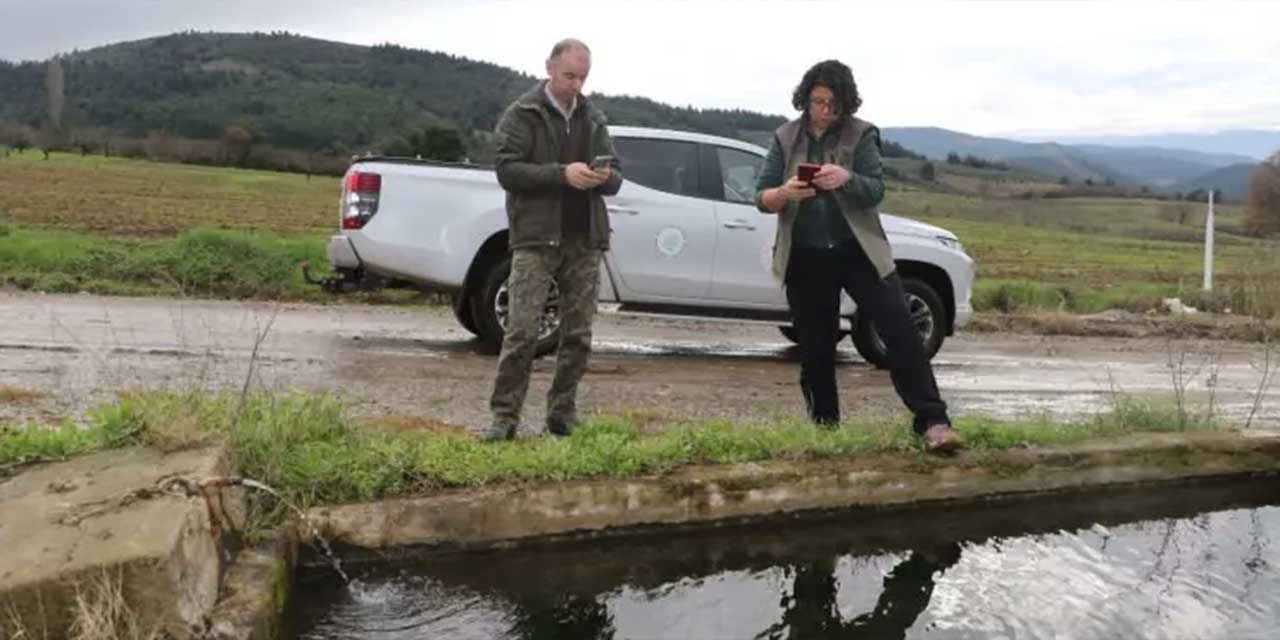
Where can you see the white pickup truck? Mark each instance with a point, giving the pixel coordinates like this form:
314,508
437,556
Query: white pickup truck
687,241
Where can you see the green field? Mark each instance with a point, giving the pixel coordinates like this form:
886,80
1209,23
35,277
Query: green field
138,198
112,225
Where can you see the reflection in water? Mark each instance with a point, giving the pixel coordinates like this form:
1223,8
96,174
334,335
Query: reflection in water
1186,562
810,610
565,617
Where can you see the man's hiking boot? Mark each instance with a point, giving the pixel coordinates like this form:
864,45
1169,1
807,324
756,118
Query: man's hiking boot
561,427
496,433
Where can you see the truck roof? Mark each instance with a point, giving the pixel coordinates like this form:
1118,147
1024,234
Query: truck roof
686,136
614,131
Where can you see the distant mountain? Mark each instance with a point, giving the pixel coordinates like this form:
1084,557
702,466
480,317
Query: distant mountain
1232,180
1149,165
936,142
1156,165
1254,143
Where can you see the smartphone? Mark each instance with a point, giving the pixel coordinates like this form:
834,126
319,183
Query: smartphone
601,162
805,171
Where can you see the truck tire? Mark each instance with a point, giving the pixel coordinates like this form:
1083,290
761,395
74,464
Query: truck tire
462,311
489,308
925,307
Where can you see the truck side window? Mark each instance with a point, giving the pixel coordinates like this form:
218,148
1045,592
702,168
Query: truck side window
665,165
739,170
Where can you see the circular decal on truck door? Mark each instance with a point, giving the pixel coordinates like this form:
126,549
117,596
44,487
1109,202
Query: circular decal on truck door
670,242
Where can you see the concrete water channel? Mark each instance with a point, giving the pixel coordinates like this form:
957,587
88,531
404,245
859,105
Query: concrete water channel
1190,561
1148,537
1157,535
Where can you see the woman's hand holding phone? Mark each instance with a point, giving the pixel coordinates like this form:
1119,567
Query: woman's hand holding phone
805,171
830,177
794,189
797,189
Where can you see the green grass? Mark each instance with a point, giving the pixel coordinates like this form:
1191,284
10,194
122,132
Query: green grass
1021,295
203,262
110,426
1022,267
1139,218
309,448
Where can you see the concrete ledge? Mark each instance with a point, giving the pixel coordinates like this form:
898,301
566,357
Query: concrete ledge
705,495
65,525
256,592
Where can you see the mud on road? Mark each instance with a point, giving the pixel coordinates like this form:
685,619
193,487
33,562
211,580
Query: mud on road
413,366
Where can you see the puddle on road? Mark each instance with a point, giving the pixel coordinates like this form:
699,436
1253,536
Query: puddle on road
370,362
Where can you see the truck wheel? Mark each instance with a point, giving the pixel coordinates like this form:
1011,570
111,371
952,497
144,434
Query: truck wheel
462,311
490,308
927,314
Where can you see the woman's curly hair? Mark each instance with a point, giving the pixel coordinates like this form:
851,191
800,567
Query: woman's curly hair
837,77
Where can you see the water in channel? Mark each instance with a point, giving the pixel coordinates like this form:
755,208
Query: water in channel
1186,561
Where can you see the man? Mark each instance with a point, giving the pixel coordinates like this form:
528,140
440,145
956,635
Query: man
829,239
548,140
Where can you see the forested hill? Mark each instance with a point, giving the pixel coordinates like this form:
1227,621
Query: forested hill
302,93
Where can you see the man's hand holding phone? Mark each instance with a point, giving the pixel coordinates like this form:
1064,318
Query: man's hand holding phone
581,176
603,166
602,163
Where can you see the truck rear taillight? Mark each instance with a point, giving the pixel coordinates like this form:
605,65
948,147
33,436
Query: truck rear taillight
360,194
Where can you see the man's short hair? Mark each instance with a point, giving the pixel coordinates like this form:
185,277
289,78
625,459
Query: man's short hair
567,44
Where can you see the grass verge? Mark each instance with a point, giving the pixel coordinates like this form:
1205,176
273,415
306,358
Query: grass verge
1062,323
15,395
307,446
204,262
1243,296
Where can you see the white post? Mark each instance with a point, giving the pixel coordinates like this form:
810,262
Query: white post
1208,246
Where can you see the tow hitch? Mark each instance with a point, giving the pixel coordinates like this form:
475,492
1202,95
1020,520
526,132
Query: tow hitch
340,281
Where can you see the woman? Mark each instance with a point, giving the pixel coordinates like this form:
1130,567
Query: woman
829,238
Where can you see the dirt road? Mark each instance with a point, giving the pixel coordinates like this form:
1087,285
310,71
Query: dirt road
412,364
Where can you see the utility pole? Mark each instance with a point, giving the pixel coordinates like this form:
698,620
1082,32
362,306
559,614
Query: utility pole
1208,245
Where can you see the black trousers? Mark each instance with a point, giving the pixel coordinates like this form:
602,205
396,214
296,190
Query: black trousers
814,280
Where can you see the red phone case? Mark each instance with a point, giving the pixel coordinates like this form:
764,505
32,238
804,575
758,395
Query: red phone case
806,171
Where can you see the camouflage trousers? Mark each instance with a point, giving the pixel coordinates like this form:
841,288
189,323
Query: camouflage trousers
575,268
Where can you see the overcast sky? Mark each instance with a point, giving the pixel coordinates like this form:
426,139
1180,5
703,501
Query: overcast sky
1026,68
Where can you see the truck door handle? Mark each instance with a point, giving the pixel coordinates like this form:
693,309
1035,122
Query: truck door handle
623,211
739,224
